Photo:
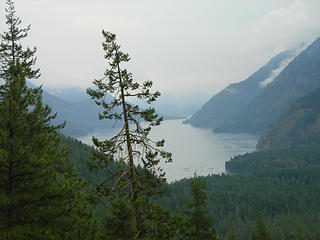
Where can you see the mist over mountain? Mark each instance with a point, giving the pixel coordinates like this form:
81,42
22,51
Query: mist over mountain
249,106
300,77
235,97
176,105
75,107
80,112
70,94
180,105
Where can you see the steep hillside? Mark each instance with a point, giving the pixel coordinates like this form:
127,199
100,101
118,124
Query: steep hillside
81,116
231,100
69,94
275,160
299,78
300,125
287,200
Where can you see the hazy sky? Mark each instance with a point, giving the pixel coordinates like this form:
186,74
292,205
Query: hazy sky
178,44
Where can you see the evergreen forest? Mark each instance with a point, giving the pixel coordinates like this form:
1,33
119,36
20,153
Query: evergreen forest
55,187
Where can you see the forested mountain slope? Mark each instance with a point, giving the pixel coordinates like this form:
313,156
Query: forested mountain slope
299,78
300,125
80,154
286,199
234,98
274,160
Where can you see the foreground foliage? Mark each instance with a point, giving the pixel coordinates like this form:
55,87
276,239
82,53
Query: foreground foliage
41,196
198,223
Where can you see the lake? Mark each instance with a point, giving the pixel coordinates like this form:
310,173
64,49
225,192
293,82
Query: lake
194,150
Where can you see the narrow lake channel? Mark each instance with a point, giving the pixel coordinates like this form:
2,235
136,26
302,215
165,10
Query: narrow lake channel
194,149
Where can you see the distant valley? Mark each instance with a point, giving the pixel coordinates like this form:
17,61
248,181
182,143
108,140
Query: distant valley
76,108
80,112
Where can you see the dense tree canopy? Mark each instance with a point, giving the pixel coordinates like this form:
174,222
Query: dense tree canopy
198,222
40,194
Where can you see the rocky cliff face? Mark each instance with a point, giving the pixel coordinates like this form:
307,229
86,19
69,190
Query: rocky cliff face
300,125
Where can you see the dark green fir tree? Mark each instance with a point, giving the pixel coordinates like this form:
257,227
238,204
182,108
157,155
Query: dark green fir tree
231,235
131,146
198,223
260,232
39,191
120,222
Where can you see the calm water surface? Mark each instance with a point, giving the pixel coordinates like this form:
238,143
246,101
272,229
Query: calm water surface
194,149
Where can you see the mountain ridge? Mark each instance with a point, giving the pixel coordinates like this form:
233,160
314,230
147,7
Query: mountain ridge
236,96
300,77
81,116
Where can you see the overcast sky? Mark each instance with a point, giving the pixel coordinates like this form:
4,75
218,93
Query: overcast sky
181,45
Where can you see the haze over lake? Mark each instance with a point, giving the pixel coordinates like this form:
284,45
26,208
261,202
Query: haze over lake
194,149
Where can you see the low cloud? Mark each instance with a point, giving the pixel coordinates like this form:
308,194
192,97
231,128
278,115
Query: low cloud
181,45
283,28
275,73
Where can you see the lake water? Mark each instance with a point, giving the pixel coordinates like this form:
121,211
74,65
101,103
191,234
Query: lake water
194,149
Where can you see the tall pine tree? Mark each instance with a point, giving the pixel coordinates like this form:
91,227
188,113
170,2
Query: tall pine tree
131,146
39,191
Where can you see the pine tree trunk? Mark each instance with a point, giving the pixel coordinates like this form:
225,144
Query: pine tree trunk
132,173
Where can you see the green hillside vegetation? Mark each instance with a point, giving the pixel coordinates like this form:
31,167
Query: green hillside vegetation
261,161
300,125
286,197
291,163
287,200
288,171
284,188
80,154
285,193
41,196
